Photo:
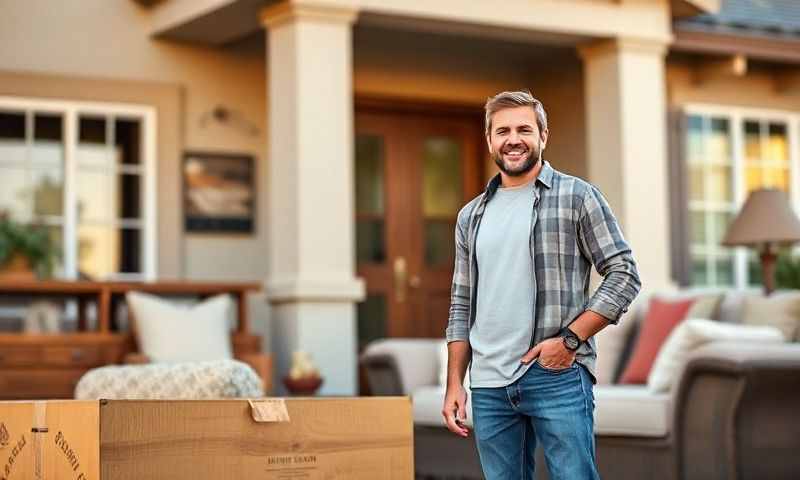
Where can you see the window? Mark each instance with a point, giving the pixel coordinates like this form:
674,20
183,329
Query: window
85,171
729,153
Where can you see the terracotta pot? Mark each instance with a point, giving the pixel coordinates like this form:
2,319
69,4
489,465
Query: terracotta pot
18,267
302,386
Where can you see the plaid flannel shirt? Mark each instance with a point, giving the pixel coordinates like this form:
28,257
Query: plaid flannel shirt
572,228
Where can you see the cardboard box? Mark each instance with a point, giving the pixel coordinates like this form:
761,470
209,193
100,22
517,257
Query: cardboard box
270,439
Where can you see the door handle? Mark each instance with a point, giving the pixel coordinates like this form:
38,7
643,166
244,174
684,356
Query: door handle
400,268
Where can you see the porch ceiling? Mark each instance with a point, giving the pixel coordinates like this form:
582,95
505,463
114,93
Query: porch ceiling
219,22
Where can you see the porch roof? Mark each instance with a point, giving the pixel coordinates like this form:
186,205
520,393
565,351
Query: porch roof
769,18
217,22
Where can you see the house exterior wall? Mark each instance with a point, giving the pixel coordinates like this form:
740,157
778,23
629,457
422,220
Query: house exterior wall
104,51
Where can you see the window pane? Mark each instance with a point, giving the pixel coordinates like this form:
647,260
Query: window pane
47,154
752,178
777,143
754,276
104,251
775,178
370,241
719,225
724,268
128,141
719,142
92,130
697,182
721,188
98,251
130,250
129,200
752,141
47,127
699,271
441,177
372,321
12,126
12,138
698,232
694,140
369,174
48,191
94,196
95,156
439,245
56,234
14,195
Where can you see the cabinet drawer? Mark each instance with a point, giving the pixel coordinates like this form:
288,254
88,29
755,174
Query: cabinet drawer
75,356
19,356
38,383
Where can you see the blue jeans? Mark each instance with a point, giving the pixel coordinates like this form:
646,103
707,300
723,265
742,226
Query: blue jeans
555,407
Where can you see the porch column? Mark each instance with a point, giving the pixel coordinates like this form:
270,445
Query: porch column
311,284
624,89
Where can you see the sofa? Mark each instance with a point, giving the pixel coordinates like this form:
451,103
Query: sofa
731,411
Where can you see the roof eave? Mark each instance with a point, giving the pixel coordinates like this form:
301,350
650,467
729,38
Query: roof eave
689,8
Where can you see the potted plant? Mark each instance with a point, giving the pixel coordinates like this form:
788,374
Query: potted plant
26,251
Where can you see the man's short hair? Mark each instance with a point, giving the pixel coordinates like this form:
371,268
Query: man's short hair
522,98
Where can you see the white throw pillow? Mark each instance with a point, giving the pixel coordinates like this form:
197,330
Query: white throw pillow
167,332
443,367
694,332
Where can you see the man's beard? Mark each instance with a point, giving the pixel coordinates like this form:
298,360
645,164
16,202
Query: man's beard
534,156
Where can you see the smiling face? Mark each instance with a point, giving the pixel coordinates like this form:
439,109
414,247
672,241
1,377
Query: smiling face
515,142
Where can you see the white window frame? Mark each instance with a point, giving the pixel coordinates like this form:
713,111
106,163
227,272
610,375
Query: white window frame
736,116
71,112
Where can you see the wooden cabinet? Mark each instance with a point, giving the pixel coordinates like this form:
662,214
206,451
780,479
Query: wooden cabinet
49,366
38,366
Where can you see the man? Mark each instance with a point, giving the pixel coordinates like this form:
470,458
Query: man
521,315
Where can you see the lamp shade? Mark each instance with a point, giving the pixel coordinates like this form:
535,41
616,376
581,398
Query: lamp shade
765,218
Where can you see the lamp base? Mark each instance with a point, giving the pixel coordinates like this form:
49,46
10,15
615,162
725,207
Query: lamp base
768,260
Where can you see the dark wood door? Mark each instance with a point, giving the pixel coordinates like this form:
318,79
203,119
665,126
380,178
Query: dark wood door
414,171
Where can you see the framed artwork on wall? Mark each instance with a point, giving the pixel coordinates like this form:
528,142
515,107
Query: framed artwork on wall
218,193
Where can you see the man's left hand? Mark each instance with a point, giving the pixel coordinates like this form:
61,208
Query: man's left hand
552,353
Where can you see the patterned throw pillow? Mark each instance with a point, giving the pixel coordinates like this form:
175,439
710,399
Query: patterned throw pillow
175,381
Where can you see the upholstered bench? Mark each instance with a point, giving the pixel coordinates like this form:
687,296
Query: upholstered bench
183,381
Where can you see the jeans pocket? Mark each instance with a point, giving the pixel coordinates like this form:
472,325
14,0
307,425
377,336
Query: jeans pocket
554,371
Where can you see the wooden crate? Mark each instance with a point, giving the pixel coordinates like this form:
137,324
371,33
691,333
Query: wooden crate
288,439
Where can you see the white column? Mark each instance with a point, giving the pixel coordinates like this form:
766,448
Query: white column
311,284
624,88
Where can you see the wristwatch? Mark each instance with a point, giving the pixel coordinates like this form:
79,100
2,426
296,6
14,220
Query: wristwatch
571,340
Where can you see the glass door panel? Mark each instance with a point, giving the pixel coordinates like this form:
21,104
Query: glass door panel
442,197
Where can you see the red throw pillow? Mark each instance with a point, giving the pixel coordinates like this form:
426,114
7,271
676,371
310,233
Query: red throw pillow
662,317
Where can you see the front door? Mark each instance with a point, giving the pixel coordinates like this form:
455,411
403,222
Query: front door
413,173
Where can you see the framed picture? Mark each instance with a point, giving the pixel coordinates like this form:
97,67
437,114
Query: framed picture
218,193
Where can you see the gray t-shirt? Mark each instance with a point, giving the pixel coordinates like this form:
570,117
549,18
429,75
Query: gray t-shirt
503,326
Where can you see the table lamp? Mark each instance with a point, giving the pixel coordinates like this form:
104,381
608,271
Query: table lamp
765,222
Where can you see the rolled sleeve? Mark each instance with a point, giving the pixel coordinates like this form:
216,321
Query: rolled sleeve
601,240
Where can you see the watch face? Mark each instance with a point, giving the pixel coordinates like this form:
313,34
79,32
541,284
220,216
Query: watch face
571,342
